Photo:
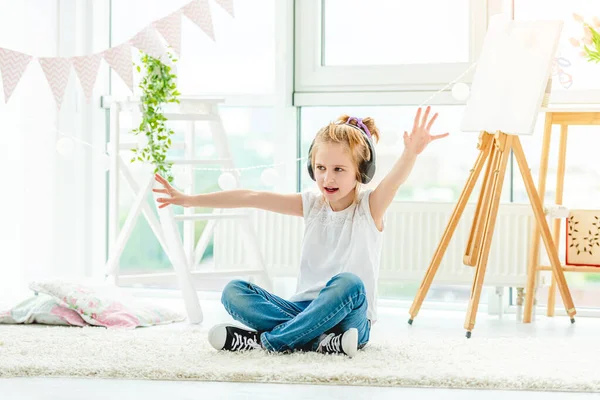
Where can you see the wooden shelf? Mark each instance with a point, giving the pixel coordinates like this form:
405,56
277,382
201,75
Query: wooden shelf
571,268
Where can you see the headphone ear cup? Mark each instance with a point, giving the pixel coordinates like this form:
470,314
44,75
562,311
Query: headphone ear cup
368,167
310,170
309,167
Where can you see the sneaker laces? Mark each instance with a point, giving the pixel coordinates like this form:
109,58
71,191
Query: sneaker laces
332,343
241,343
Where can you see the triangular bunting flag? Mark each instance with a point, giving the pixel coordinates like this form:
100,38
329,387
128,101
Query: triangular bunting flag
149,42
227,5
12,66
170,29
119,58
198,11
86,68
57,71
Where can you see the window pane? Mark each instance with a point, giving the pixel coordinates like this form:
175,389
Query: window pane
240,60
572,67
395,32
250,132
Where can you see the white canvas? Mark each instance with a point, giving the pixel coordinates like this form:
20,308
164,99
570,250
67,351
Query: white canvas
511,76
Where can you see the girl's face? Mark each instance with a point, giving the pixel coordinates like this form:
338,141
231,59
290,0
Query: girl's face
335,174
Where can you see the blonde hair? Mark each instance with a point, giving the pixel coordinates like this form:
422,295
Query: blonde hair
351,138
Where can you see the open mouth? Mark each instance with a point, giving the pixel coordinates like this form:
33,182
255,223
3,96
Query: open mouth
331,190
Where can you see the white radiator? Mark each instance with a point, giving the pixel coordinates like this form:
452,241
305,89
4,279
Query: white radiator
411,235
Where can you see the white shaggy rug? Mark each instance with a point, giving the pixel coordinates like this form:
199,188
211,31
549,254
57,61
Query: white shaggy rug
184,354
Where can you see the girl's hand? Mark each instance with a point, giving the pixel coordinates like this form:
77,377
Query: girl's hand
175,197
420,137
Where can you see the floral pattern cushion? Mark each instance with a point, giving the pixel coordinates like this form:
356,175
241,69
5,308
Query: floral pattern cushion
106,306
41,309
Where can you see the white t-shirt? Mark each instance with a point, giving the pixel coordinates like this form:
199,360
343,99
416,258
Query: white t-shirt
336,242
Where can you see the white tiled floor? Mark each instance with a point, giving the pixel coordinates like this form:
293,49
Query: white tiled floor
428,323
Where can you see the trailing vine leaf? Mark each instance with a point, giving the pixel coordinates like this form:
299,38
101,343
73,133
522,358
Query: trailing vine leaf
158,89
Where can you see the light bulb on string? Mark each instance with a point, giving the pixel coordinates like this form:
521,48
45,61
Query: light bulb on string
227,181
65,146
269,176
181,174
460,91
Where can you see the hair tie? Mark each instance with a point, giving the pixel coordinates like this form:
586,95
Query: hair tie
359,124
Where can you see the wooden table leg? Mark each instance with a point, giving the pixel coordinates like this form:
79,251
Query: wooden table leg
560,184
534,249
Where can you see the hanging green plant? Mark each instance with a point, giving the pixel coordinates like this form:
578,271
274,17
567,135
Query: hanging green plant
159,88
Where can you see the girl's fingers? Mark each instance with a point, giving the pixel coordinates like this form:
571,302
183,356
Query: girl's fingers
432,121
417,117
425,116
443,135
160,191
162,180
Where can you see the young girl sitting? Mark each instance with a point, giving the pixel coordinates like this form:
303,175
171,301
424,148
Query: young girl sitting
335,301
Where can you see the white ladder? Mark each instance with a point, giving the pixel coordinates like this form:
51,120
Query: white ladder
185,255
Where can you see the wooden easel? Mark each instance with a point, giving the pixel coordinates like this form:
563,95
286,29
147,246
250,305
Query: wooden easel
495,149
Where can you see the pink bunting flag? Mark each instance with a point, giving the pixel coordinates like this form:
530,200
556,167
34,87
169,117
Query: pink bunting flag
149,42
227,5
86,68
119,58
170,29
57,71
12,66
198,11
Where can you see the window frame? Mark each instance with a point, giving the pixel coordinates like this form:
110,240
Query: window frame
314,78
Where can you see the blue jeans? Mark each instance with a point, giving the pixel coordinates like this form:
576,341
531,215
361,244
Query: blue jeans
285,325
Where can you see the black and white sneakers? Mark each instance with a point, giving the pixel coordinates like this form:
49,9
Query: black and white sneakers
342,343
233,338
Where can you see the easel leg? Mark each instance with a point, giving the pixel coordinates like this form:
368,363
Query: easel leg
546,236
485,141
501,153
560,184
483,203
534,250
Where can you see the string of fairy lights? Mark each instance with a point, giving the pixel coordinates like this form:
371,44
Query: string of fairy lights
65,145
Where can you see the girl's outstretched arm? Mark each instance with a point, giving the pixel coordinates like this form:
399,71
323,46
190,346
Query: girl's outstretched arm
414,144
290,204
